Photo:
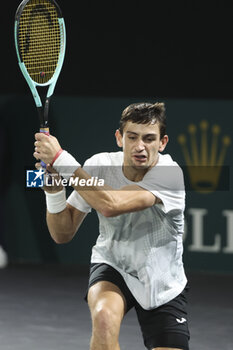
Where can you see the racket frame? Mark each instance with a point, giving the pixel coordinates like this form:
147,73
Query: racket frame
43,113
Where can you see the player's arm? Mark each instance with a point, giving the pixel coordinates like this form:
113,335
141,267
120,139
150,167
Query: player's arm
106,200
110,202
63,225
63,220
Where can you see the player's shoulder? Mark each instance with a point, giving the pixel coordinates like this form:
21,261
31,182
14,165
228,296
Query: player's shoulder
105,158
166,160
166,171
165,163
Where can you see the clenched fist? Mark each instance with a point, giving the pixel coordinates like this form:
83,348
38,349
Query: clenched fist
46,147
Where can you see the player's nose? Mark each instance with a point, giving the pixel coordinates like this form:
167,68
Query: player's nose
140,146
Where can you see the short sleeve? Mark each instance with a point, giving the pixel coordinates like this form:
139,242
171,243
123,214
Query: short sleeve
75,199
167,183
78,202
92,166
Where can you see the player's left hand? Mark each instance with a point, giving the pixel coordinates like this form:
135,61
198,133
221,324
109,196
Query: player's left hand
53,186
46,147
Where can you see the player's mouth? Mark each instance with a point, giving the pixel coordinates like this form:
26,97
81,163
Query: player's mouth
140,157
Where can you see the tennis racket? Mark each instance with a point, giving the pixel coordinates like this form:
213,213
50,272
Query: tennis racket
40,41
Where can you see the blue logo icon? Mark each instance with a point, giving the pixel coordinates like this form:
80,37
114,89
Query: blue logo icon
35,178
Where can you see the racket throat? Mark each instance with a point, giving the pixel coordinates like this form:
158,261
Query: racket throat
43,114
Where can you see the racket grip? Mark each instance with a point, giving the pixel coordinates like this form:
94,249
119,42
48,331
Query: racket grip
46,132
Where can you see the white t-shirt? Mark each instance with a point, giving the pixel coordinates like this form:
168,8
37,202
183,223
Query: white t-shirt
146,246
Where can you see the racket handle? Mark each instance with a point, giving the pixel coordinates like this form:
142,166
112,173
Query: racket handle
46,132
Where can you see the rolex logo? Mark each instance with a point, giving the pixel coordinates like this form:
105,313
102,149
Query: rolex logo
204,155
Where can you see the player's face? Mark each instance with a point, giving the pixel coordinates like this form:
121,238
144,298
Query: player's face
141,144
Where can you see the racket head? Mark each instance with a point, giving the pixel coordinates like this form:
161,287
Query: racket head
40,41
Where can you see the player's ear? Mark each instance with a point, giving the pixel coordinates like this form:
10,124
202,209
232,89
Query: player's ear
163,143
118,138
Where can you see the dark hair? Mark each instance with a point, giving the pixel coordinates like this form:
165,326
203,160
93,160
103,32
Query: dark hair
145,113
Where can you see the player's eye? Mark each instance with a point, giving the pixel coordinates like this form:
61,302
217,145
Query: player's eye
149,139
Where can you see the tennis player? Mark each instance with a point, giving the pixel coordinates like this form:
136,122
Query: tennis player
137,259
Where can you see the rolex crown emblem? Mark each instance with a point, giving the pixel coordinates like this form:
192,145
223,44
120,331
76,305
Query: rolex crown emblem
204,155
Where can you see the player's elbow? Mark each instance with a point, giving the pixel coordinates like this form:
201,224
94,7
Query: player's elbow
109,210
61,238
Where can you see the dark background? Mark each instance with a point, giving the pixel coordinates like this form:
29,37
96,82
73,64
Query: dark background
165,48
119,53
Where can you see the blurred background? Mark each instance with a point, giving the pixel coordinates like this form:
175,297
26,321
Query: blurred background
179,52
176,52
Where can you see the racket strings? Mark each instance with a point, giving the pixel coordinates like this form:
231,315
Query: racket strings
39,39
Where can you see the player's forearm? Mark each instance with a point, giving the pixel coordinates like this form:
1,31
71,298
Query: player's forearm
111,202
98,197
102,198
106,200
60,226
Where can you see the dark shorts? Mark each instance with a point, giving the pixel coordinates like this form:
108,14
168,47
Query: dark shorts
165,326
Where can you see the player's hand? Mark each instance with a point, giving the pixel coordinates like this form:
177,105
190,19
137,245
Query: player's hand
46,147
53,179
